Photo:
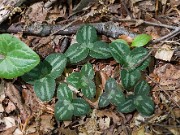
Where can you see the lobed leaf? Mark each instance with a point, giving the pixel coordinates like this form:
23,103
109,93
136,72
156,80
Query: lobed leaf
127,106
86,34
64,92
144,105
130,78
16,58
64,110
45,88
81,107
141,40
76,53
142,88
100,50
58,62
119,50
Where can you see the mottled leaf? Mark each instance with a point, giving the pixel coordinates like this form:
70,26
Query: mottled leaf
142,88
64,92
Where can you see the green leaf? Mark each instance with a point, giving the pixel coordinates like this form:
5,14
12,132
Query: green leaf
86,34
75,79
64,92
64,110
144,105
81,107
87,70
39,72
135,56
116,95
119,51
130,78
127,106
76,53
103,100
120,41
16,58
88,88
45,88
142,88
141,40
100,50
58,62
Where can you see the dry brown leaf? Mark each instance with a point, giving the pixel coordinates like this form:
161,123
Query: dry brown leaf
10,107
104,123
7,122
46,123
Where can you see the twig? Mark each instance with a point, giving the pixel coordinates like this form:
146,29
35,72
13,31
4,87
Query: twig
139,21
49,3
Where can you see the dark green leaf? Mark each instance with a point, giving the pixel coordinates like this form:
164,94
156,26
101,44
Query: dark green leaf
87,70
58,62
129,79
144,105
75,79
100,50
142,88
119,51
141,40
16,58
76,53
40,71
44,88
64,92
103,100
88,88
127,106
86,34
81,107
64,110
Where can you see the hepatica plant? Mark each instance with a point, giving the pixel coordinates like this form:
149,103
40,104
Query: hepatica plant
132,95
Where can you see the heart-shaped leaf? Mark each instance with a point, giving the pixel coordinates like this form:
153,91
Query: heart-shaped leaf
127,106
58,62
39,72
119,51
86,34
64,110
16,58
64,92
141,40
87,70
130,78
142,88
100,50
45,88
144,105
76,53
81,107
75,79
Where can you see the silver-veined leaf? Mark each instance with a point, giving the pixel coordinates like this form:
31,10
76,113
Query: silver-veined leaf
58,62
64,92
141,40
119,51
103,100
16,58
86,34
142,88
130,78
45,88
100,50
87,70
75,79
64,110
127,106
76,53
144,105
40,71
81,107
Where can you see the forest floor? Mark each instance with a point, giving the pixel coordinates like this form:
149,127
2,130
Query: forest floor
24,113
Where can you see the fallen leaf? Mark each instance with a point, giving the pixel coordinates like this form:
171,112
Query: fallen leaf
104,123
